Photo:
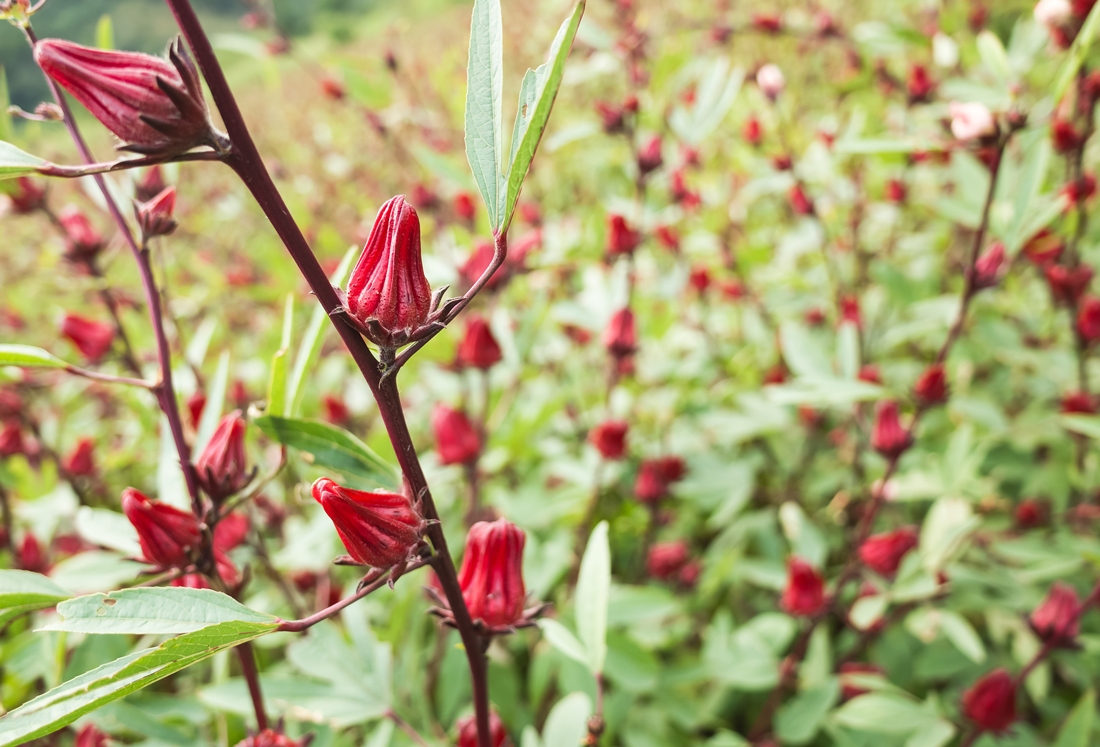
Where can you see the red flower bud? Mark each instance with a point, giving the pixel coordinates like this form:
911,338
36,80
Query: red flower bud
492,573
699,279
151,185
273,738
895,190
1030,514
167,535
11,440
882,553
530,213
90,736
467,731
424,197
870,374
668,238
987,270
388,296
609,438
222,468
1079,191
1056,619
30,556
154,106
28,197
888,437
93,339
464,207
733,289
196,403
378,529
654,478
1080,403
805,591
479,262
336,410
332,88
620,337
611,116
479,348
155,216
456,440
800,202
931,386
80,462
769,23
667,559
919,84
11,404
1064,136
1068,284
680,194
82,241
991,701
649,155
621,238
1088,319
751,131
849,310
782,162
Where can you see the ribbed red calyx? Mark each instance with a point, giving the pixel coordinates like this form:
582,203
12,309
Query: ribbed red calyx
167,535
492,573
379,529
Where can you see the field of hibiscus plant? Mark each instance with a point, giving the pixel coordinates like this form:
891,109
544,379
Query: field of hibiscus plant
482,373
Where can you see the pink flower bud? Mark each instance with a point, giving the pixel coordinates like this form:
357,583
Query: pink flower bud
378,529
492,573
611,116
751,131
167,535
93,339
467,731
28,196
870,374
155,216
666,560
479,348
388,296
888,437
882,553
456,439
680,194
621,238
1068,284
991,701
154,106
971,120
799,200
987,270
620,337
919,84
82,241
895,191
1053,13
464,207
336,410
80,462
649,155
849,310
1056,619
196,403
609,438
931,386
222,468
771,81
804,594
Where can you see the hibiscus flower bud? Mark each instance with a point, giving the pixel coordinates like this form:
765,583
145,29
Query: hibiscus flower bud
336,409
971,120
888,437
464,207
274,738
666,560
492,573
987,270
379,529
90,736
991,701
919,84
196,403
479,261
11,404
82,241
609,438
1057,617
1078,403
151,184
11,440
1068,284
849,311
1044,247
1030,513
467,731
154,106
882,553
621,238
1088,319
388,296
155,216
1079,190
611,116
167,535
870,374
799,200
80,462
769,23
1064,136
668,238
479,348
931,386
456,439
222,468
28,196
620,337
93,339
895,191
751,131
649,155
804,594
771,81
651,484
30,556
1053,13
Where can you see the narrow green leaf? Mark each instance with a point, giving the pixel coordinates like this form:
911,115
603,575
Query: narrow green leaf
1077,53
797,721
215,401
276,387
847,350
26,356
330,446
993,55
536,99
802,352
105,33
23,591
593,591
484,92
14,162
563,640
311,343
166,610
567,723
884,714
1077,728
1086,425
7,132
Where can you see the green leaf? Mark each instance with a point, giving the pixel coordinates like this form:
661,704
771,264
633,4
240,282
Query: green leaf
484,92
875,146
26,356
593,590
993,55
105,33
15,163
23,591
798,720
7,132
563,640
276,387
66,703
715,93
1077,53
330,446
1077,728
806,539
166,610
884,714
1026,188
171,484
960,632
1086,425
310,347
847,350
567,723
215,401
802,352
536,99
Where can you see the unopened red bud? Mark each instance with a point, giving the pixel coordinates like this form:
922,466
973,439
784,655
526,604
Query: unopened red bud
154,106
782,162
751,131
167,535
90,736
849,311
82,241
621,238
388,295
931,387
895,191
464,207
1068,284
93,339
11,404
666,560
492,573
1079,191
1079,403
882,553
1056,619
919,85
987,270
467,731
1043,248
680,193
991,701
1088,319
870,374
804,594
379,529
27,197
1064,136
620,337
889,438
31,556
609,438
274,738
333,88
336,410
80,462
196,403
668,238
11,440
479,348
222,468
630,103
611,116
1030,514
800,202
649,155
456,439
769,23
155,216
150,185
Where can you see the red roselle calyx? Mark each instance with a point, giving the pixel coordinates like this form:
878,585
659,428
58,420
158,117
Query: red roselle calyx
805,591
1056,619
456,439
168,536
1044,247
154,106
150,185
93,339
80,462
155,216
1068,284
609,438
82,241
492,577
655,477
882,553
467,731
379,529
931,387
668,560
987,270
28,196
991,701
388,297
621,238
649,155
222,467
479,349
888,437
1088,319
620,337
